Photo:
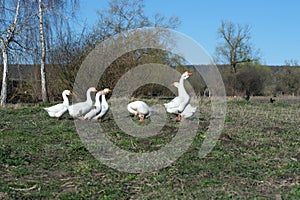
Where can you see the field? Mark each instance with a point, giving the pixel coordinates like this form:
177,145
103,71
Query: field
256,157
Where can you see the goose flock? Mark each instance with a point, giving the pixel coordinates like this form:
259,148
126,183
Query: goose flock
86,110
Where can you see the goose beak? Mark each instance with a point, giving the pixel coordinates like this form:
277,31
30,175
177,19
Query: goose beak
189,73
71,93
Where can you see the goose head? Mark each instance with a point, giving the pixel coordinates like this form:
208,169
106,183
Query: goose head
186,75
92,89
88,93
106,91
67,92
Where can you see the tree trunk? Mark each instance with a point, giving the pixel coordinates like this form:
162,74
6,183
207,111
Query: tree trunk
4,77
5,45
43,58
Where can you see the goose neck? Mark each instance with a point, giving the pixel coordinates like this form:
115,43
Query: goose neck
103,99
88,96
65,99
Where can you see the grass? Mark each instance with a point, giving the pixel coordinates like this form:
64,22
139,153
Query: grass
256,157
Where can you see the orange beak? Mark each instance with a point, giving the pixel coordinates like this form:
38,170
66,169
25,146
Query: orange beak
189,73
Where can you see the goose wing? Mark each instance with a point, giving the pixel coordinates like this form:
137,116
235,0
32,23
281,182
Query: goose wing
79,109
54,109
188,111
103,112
93,112
61,112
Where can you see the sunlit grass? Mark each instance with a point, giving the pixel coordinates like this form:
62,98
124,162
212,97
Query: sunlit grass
256,157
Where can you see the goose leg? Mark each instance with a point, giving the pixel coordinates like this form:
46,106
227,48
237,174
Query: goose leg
178,118
81,118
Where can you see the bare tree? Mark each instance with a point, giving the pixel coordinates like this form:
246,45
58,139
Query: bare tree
124,15
56,10
235,47
43,50
34,26
291,62
6,38
119,17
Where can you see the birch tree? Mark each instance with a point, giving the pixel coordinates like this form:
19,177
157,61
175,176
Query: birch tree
55,11
43,53
6,38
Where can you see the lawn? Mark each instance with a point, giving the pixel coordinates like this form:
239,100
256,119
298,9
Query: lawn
256,157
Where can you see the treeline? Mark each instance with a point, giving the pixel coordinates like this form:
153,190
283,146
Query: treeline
250,79
260,80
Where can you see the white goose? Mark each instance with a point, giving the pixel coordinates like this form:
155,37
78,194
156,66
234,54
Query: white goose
96,108
81,108
141,109
59,109
104,106
189,110
178,104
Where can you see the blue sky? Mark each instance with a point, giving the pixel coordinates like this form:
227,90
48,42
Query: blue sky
275,24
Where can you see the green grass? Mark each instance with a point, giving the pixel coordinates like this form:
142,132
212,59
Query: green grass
256,157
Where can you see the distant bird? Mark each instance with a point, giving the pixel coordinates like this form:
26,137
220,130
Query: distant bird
272,100
140,109
104,106
247,97
59,109
80,109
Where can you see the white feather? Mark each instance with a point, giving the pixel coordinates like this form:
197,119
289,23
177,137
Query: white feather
59,109
81,108
179,103
140,108
104,106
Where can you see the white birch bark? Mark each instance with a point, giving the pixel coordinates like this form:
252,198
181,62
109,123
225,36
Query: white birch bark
5,43
43,57
4,77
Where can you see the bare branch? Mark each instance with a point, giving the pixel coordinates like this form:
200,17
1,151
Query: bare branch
236,47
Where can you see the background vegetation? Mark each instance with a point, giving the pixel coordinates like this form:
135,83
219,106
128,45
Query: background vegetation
32,73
